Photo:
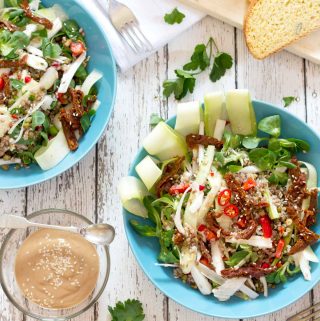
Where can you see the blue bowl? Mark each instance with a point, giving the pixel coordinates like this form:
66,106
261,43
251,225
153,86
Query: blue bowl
102,60
147,249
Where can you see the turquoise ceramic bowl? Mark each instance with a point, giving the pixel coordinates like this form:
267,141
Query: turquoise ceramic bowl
102,60
147,249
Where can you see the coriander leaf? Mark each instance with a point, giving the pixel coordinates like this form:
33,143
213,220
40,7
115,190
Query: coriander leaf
237,257
271,125
175,16
72,30
155,119
287,101
143,230
199,59
180,86
263,158
38,118
251,142
85,120
49,49
130,310
16,84
222,62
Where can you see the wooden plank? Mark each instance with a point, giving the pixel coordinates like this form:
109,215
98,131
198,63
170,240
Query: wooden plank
233,12
313,117
138,97
270,80
75,191
179,52
11,202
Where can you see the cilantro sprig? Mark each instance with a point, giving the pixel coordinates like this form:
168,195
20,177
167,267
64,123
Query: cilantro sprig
204,56
155,119
175,16
130,310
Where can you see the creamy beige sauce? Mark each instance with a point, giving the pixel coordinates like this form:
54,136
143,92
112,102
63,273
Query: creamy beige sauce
56,269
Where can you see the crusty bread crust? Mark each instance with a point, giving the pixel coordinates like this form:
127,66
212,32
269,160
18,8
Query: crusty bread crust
249,13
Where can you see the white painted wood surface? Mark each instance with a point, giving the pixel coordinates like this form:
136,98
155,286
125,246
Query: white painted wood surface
90,187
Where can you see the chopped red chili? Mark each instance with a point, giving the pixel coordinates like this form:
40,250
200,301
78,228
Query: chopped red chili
231,211
266,226
280,248
249,183
224,197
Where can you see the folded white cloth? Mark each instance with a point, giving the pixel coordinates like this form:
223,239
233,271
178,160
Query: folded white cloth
150,14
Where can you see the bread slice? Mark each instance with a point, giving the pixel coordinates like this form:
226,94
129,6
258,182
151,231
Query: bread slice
270,25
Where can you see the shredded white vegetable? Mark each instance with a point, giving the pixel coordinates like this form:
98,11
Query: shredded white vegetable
93,77
56,27
201,281
36,62
217,257
69,74
10,162
255,240
219,130
228,288
265,285
177,217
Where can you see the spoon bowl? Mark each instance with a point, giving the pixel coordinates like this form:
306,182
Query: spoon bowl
100,234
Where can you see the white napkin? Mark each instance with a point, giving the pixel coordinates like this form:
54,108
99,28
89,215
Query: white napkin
150,15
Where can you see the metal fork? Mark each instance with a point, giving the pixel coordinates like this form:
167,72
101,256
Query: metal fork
311,313
127,25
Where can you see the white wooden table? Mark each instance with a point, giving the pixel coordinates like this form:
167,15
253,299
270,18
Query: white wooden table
90,187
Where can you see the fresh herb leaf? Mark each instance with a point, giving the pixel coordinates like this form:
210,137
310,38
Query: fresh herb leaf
11,42
237,257
199,59
271,125
38,118
234,168
143,230
175,16
153,214
287,101
85,120
42,33
155,119
278,178
81,73
16,84
251,142
72,30
280,276
50,50
26,157
300,145
222,62
130,310
264,158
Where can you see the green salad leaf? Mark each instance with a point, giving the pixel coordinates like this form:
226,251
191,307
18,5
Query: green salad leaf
287,101
271,125
86,119
50,50
38,118
175,16
237,257
263,158
130,310
11,42
16,84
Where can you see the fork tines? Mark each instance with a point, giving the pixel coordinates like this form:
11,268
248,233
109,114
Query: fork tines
311,313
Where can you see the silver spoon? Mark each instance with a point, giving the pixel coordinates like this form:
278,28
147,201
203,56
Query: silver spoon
100,234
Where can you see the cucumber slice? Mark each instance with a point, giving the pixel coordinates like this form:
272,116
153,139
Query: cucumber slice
165,143
132,191
149,172
241,113
51,155
213,110
188,118
272,209
48,13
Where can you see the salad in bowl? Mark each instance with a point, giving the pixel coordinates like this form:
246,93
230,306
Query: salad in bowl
47,97
227,197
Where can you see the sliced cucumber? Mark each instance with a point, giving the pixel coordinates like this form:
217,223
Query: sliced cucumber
241,113
188,118
132,191
48,13
272,209
149,172
213,110
165,143
51,155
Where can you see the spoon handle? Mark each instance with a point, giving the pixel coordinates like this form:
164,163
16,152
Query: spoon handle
72,229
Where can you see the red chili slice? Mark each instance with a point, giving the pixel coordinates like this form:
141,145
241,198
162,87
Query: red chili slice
224,197
1,83
266,226
249,183
280,248
178,189
265,265
231,211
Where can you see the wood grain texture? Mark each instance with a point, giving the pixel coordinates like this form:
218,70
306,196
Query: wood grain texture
89,188
270,80
11,202
138,96
233,12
